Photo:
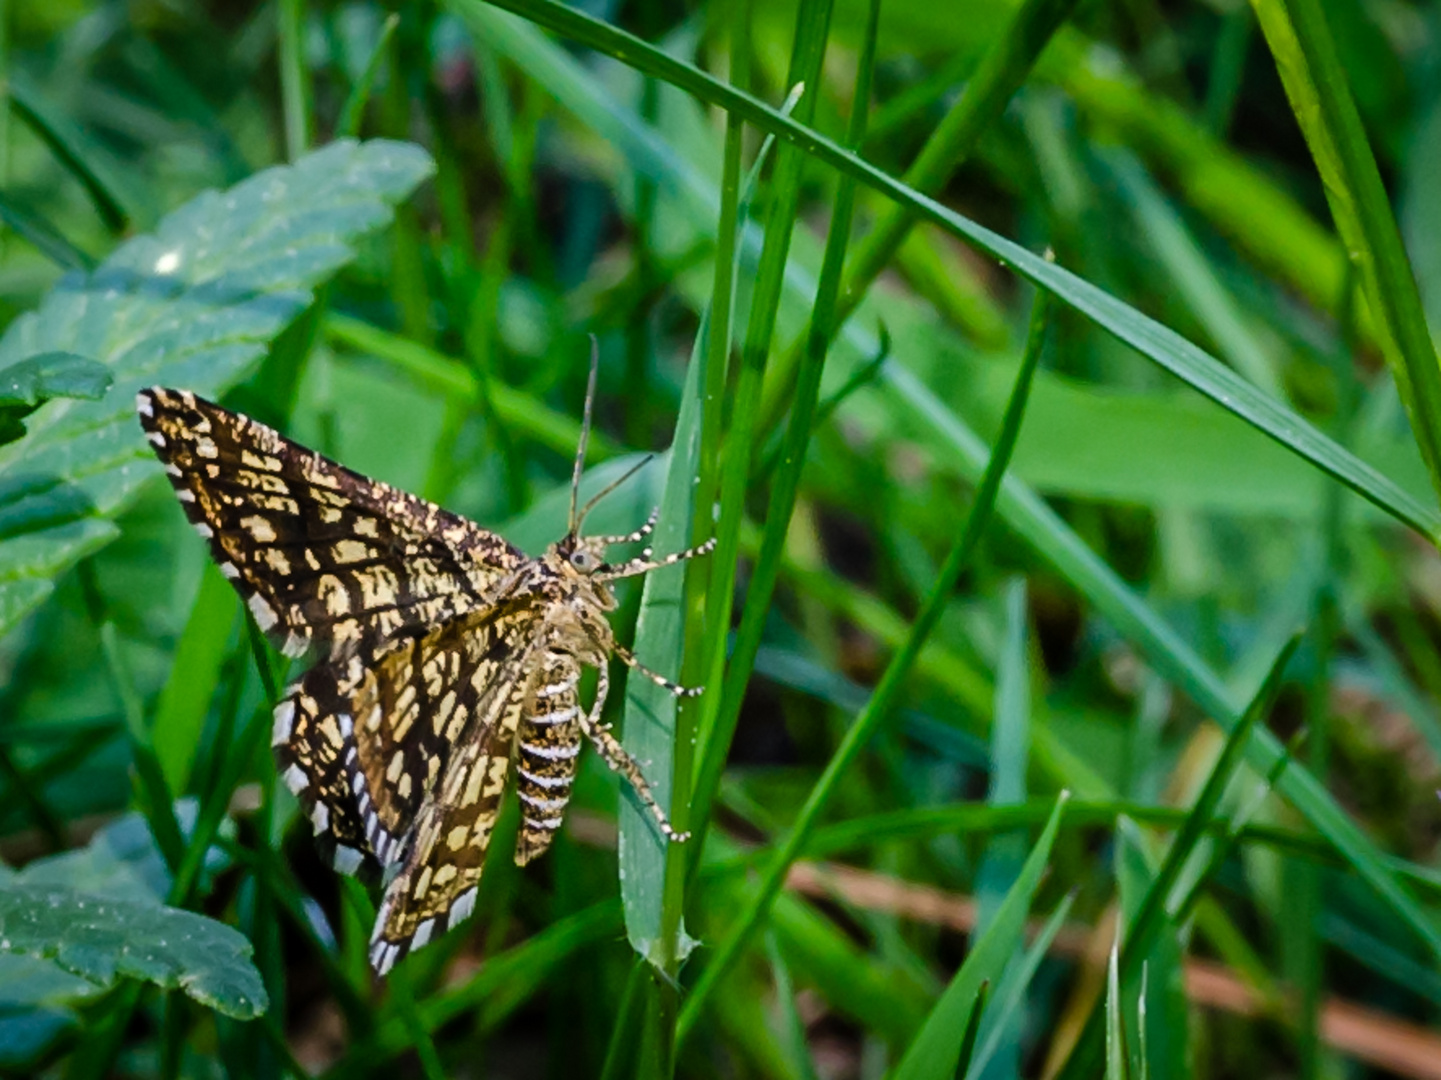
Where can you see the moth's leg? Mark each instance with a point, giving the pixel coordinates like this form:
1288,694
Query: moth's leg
635,537
619,761
656,677
602,691
644,564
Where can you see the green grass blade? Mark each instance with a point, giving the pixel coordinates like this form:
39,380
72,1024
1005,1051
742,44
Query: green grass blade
294,77
199,656
1154,907
354,109
74,148
1011,995
887,690
935,1052
1115,1033
1320,96
786,484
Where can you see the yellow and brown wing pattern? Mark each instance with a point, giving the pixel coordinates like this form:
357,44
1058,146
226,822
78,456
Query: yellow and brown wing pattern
325,558
444,849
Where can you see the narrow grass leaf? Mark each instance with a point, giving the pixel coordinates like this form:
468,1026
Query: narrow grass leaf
353,111
1319,92
719,733
1115,1032
1009,999
77,152
199,656
1154,908
935,1052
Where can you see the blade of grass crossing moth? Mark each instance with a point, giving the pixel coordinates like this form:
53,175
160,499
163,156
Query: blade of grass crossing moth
887,690
1026,514
185,699
1010,997
1010,753
1115,1031
354,110
1162,345
1154,907
1319,91
935,1052
723,715
649,728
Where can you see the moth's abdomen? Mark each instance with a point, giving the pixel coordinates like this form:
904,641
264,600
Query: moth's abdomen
547,752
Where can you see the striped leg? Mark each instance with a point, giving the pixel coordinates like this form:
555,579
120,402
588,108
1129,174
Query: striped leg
645,564
620,761
656,677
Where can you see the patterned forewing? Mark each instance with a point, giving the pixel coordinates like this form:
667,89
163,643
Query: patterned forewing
324,557
436,886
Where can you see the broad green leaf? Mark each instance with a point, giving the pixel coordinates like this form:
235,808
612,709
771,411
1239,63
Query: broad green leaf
103,939
193,305
935,1052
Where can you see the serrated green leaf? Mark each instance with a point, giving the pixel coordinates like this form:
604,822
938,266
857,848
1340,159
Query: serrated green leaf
193,305
53,374
102,939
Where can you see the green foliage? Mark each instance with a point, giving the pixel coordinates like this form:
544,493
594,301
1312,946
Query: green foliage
1179,562
100,939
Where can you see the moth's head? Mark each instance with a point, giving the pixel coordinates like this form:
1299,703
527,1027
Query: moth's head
584,555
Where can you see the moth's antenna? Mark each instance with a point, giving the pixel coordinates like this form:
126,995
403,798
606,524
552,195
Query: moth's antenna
584,435
603,492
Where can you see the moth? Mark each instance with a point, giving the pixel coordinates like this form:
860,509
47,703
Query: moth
448,660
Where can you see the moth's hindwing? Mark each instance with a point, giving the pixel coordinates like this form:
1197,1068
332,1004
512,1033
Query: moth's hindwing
435,887
325,558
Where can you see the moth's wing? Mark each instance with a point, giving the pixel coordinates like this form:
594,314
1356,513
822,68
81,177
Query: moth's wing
363,745
547,751
429,696
314,744
324,557
435,887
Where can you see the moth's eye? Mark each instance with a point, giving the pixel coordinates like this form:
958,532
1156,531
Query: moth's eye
582,559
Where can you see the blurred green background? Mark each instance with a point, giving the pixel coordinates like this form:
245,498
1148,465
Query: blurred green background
1204,600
